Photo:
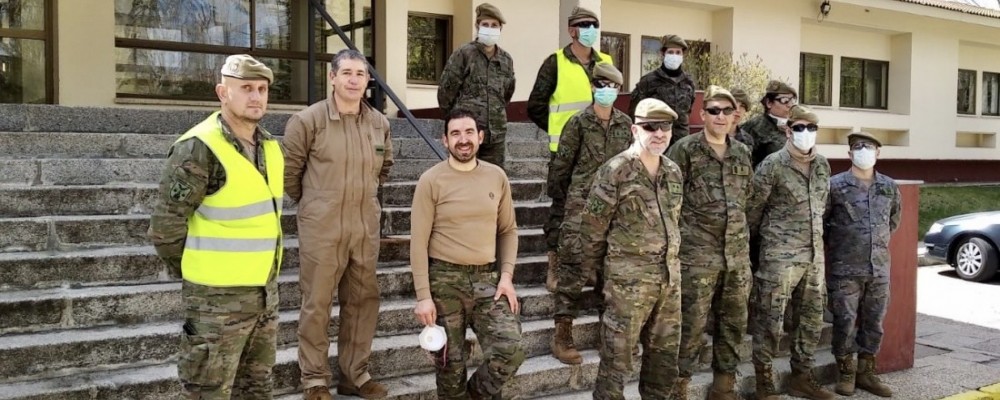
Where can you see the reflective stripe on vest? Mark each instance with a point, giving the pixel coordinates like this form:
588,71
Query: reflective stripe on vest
572,94
234,237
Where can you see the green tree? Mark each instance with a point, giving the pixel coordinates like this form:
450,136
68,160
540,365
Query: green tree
723,68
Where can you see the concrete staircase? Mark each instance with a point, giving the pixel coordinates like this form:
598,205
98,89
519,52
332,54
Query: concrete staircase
88,311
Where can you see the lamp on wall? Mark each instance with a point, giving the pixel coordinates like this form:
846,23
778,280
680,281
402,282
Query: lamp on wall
824,8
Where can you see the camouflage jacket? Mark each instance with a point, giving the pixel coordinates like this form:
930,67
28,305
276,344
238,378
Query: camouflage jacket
677,92
714,228
786,209
742,136
480,84
545,86
583,147
767,137
858,224
630,225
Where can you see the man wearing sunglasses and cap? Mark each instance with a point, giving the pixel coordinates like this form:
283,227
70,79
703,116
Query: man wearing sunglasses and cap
862,212
715,247
630,229
561,90
670,84
787,202
590,138
769,128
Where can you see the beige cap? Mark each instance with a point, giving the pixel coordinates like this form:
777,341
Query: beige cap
581,13
719,93
487,10
651,109
741,97
779,87
604,70
669,41
799,113
855,137
242,66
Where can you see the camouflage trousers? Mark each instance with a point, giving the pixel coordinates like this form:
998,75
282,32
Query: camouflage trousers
779,284
858,305
463,295
493,153
228,341
722,295
571,273
643,308
552,227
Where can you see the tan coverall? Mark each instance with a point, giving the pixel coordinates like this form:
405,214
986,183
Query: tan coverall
334,165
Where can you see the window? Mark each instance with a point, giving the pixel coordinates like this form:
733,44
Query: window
617,45
991,93
864,83
815,78
26,51
966,92
649,57
428,45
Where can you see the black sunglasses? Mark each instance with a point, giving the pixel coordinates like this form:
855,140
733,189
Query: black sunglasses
716,111
653,126
604,84
586,24
802,127
863,145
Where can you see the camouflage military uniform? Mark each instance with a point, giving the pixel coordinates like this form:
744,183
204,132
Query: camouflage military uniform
584,146
473,81
787,207
630,229
676,91
859,221
714,253
767,136
743,137
230,333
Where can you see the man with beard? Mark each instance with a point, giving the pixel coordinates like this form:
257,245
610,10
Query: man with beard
217,226
462,215
670,84
338,154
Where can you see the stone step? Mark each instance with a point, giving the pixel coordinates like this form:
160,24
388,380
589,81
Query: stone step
139,264
104,171
60,233
138,198
92,306
33,355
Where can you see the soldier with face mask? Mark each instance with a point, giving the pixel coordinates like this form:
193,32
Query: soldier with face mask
862,212
670,84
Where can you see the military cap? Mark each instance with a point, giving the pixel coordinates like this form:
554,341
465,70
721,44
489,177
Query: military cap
581,13
854,137
487,10
799,112
651,109
718,93
741,97
604,70
242,66
779,87
673,41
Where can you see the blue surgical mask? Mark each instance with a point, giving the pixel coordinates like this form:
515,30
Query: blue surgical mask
588,36
605,96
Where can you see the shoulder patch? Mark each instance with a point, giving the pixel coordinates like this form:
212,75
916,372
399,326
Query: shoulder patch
180,190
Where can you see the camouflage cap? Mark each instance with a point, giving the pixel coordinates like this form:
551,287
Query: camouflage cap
741,96
669,41
487,10
581,13
718,93
779,87
242,66
800,113
855,137
604,70
651,109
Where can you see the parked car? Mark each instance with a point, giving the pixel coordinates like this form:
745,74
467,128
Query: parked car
968,243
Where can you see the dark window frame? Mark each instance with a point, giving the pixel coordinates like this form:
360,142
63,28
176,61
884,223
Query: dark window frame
865,63
624,60
448,46
804,97
973,83
996,94
48,36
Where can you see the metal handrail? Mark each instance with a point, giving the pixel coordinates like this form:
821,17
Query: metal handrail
321,10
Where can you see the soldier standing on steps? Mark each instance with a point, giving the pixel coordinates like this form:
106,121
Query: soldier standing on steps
462,218
338,154
217,226
670,84
480,77
862,212
630,229
590,138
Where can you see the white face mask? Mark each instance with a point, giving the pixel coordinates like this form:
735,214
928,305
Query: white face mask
804,140
781,121
672,61
488,36
863,158
433,338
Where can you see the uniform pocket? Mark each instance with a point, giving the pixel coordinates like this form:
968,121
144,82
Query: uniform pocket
200,360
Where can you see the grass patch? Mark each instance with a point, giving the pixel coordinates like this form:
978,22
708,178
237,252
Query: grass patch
938,202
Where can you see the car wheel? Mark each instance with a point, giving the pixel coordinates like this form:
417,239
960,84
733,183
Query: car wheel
976,260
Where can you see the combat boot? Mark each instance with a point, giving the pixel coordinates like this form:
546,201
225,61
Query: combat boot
550,275
867,380
764,378
845,383
681,388
562,342
723,386
803,384
317,393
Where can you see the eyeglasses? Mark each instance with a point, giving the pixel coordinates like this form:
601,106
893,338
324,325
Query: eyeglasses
586,24
863,145
716,111
606,84
654,126
802,127
786,100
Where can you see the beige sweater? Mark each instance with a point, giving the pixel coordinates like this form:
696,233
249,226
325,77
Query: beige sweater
459,217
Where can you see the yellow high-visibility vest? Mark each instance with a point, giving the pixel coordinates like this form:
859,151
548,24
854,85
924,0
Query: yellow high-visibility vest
234,237
572,94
